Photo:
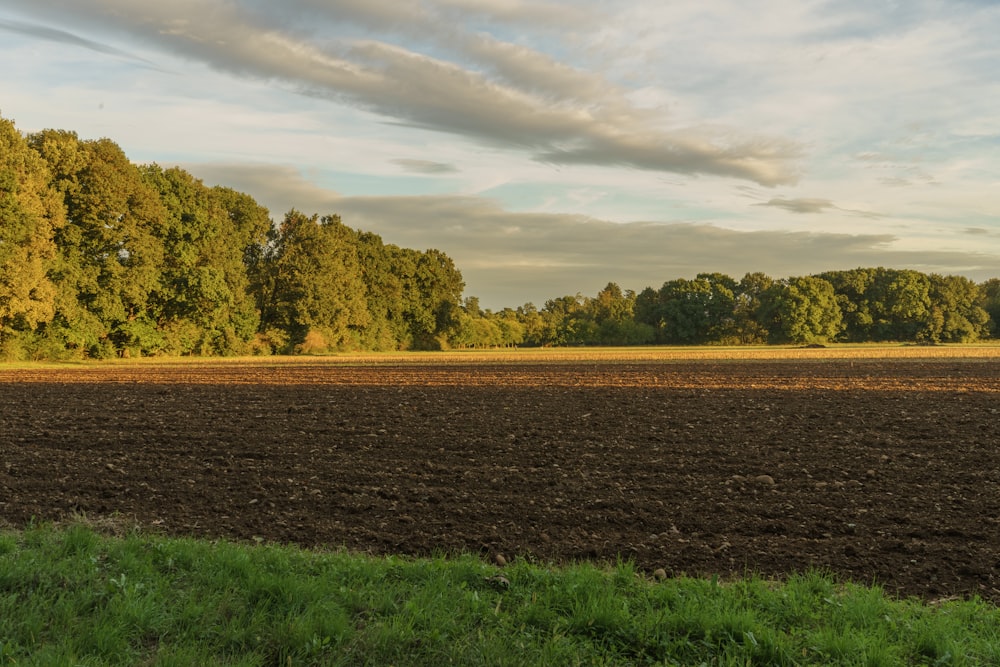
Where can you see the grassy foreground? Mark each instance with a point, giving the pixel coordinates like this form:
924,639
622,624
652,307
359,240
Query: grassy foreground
72,596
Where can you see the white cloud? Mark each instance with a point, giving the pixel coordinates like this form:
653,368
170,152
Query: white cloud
536,104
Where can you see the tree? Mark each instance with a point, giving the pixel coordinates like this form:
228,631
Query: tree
535,325
612,304
204,304
248,226
109,258
382,269
30,214
990,302
435,292
697,311
613,311
852,290
905,312
474,327
801,310
312,288
512,331
880,304
567,321
747,302
648,311
955,312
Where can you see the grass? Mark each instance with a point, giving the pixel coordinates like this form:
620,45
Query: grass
74,596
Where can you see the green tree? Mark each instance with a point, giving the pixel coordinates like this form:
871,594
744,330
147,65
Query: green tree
512,331
903,301
801,310
990,302
211,238
383,268
852,290
251,224
648,311
955,312
612,304
880,304
535,326
697,311
568,321
109,257
747,303
613,312
436,293
475,328
312,288
30,213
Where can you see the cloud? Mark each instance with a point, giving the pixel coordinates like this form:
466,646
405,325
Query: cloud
63,37
514,97
425,166
279,188
508,258
524,13
800,205
806,205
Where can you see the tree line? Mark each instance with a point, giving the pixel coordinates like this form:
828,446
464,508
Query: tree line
859,305
100,257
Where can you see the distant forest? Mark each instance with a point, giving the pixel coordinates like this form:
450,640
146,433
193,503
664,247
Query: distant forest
100,257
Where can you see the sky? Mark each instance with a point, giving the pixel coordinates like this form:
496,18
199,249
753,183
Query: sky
550,147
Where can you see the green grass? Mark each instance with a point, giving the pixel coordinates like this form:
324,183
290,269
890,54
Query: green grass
72,596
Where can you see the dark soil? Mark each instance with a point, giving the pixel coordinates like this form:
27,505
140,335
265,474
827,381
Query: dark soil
878,471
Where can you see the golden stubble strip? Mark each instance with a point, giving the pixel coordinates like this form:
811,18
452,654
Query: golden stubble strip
668,370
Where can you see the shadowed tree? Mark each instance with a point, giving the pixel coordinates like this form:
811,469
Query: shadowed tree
990,302
747,302
647,311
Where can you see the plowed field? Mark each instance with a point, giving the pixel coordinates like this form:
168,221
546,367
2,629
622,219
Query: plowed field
880,470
